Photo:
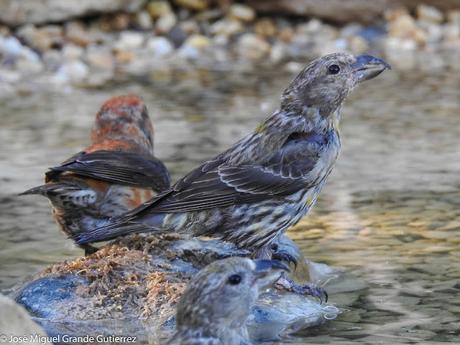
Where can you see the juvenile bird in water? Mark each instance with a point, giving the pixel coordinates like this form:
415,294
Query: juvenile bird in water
113,175
214,307
266,182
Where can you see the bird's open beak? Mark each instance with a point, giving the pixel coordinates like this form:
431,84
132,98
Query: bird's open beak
268,271
367,67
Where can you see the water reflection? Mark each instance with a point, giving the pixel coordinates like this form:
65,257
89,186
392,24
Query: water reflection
389,214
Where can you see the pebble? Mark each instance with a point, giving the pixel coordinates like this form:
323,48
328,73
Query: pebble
72,52
242,12
252,46
159,46
429,14
72,71
194,46
197,5
165,23
265,27
144,20
158,9
129,40
428,41
75,32
100,57
226,27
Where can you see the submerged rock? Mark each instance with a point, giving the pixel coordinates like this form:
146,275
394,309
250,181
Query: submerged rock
16,326
131,287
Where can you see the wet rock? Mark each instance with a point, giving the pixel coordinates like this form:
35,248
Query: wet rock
45,11
14,322
159,46
242,12
131,288
252,47
197,5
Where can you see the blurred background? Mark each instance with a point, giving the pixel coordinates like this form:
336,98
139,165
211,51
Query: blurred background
209,71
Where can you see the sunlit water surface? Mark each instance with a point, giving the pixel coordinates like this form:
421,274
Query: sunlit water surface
390,213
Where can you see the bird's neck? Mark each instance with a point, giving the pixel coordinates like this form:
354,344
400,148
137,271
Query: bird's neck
271,134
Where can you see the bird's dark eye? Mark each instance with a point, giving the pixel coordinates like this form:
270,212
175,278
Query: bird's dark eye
234,279
334,69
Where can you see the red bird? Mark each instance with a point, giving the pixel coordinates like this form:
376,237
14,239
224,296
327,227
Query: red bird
116,173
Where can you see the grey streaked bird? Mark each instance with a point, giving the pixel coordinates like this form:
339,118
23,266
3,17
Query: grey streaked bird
215,306
266,182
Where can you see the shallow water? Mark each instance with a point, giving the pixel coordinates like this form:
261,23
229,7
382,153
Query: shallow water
390,213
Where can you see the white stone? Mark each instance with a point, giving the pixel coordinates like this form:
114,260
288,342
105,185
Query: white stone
159,46
129,40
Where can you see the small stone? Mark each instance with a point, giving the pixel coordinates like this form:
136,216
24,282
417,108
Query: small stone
52,59
194,46
100,57
41,39
226,27
73,71
358,45
159,46
72,52
402,25
253,47
196,5
120,21
278,52
265,27
76,33
177,36
242,12
144,20
129,40
10,46
453,17
286,34
165,23
429,14
158,9
190,27
124,56
29,66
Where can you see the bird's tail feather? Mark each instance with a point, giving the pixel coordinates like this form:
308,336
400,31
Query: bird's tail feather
115,228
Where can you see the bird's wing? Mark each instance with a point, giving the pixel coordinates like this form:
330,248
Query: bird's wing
124,168
219,184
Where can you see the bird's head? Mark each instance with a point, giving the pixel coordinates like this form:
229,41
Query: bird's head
326,82
223,292
123,121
